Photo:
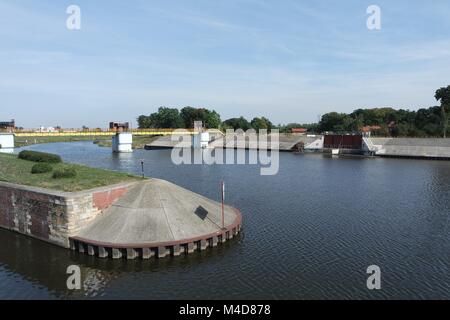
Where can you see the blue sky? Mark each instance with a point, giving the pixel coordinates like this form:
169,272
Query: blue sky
287,60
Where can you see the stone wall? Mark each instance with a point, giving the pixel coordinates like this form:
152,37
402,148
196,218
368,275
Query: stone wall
50,215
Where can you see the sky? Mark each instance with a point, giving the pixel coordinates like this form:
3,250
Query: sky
288,60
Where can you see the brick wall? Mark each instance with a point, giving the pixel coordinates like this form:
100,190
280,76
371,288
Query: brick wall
53,216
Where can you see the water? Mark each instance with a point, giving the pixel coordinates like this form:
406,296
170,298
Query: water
310,232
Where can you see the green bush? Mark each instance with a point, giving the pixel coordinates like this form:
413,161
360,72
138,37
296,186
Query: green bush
41,168
64,173
36,156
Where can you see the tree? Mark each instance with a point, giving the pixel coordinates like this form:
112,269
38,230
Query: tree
443,95
261,123
144,122
336,122
237,123
210,118
165,118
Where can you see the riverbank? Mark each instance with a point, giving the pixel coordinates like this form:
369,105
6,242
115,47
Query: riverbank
28,141
139,142
18,171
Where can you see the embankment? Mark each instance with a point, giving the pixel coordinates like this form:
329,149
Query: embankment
420,148
53,216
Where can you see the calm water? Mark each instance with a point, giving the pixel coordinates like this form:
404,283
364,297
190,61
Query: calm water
309,232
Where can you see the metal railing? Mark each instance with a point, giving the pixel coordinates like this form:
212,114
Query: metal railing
101,132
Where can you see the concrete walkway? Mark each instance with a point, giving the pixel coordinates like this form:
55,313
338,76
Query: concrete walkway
157,213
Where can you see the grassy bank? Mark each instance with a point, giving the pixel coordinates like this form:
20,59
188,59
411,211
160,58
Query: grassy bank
139,142
15,170
26,141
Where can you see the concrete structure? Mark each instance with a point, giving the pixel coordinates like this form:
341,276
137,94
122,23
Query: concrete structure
284,142
183,140
426,148
130,220
6,142
315,145
53,216
201,140
122,142
157,218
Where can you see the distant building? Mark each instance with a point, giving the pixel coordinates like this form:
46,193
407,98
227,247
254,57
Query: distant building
370,128
367,130
119,126
47,129
8,125
299,130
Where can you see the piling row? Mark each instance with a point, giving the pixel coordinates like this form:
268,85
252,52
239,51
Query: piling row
156,250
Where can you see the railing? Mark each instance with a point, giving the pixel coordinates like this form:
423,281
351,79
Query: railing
100,132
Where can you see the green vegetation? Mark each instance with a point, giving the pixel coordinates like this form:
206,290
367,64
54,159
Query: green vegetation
64,173
41,167
37,156
26,141
171,118
391,122
15,170
443,95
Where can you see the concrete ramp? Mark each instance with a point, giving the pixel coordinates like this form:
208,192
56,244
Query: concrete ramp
157,218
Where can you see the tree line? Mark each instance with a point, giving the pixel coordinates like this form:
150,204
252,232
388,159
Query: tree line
172,118
425,122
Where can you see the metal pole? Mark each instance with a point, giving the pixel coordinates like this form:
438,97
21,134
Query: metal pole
142,169
223,205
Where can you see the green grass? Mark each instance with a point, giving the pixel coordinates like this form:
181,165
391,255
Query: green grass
139,142
26,141
15,170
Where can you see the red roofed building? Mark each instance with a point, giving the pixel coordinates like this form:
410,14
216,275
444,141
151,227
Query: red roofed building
367,129
299,130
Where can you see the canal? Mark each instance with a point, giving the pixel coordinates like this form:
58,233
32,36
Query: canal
309,232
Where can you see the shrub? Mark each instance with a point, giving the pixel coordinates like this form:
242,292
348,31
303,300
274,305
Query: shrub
36,156
64,173
41,168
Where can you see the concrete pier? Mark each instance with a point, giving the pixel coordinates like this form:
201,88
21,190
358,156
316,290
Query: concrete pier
6,142
122,142
157,218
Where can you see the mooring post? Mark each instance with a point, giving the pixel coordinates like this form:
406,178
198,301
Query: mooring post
223,205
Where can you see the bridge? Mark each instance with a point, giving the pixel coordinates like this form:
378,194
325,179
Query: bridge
97,133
